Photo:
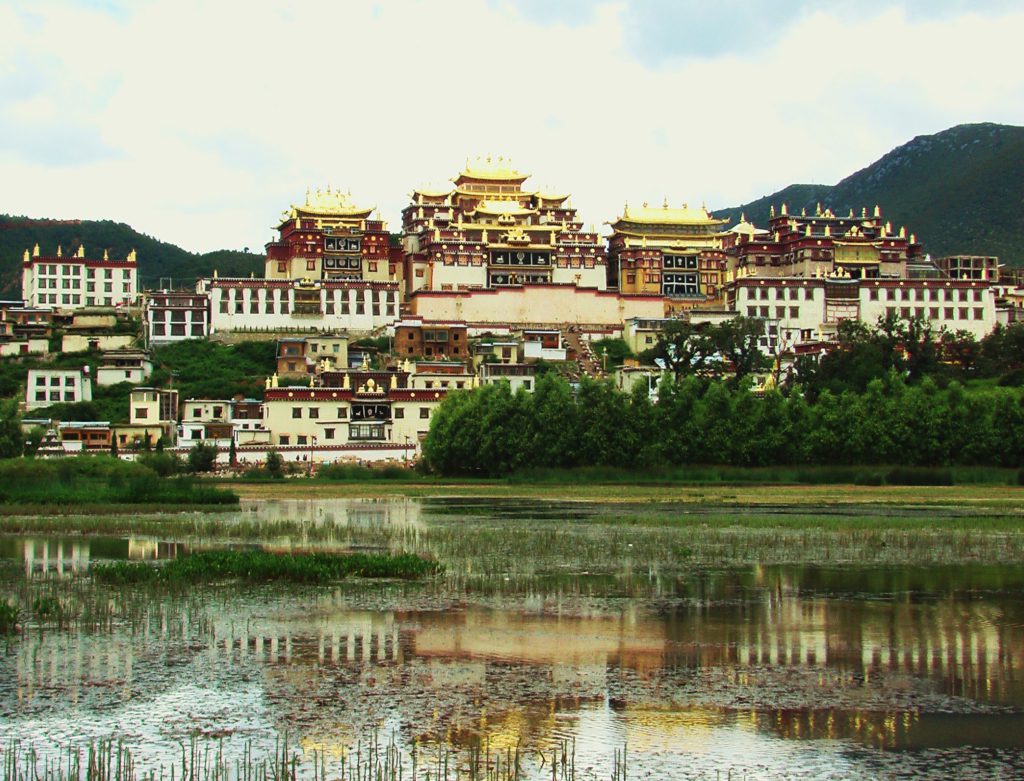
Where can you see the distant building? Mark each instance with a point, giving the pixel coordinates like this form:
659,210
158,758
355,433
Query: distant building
57,386
174,316
415,337
126,365
517,375
982,268
67,283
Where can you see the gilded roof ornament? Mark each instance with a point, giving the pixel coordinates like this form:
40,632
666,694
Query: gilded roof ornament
35,250
79,253
60,251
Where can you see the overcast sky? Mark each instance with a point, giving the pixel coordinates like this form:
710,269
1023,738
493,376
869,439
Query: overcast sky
198,122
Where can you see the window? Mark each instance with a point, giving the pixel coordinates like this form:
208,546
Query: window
808,294
764,311
873,295
948,312
933,312
285,440
979,313
794,311
310,265
780,312
40,381
296,412
197,413
751,311
141,413
301,439
963,313
342,413
314,412
399,412
282,267
328,433
424,413
978,295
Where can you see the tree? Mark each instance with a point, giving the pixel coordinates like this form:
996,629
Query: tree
684,348
737,342
202,457
12,441
275,464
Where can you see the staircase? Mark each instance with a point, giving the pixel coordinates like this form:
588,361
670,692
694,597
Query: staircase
585,358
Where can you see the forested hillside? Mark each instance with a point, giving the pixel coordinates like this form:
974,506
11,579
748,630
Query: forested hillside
959,191
157,258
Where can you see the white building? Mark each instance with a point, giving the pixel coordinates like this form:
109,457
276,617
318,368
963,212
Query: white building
300,305
57,386
69,283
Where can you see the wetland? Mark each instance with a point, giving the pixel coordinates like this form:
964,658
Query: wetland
759,633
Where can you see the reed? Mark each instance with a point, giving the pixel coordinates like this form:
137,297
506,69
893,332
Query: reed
261,567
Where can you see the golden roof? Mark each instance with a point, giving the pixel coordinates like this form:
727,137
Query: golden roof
667,215
433,190
331,203
491,168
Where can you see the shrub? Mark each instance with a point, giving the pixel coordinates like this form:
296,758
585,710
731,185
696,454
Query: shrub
919,475
202,457
164,464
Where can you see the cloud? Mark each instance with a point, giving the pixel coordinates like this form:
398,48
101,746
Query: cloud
198,122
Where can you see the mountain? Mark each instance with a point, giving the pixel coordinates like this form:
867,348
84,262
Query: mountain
959,191
157,259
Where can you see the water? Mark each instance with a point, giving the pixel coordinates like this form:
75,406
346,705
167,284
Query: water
718,653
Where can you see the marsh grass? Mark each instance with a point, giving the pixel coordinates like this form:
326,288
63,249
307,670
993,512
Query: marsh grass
262,567
98,481
372,760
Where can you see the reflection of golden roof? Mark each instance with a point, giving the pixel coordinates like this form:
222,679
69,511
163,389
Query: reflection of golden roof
331,203
492,168
669,216
503,207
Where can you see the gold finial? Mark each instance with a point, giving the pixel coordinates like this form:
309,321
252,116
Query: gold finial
311,381
132,256
878,210
394,382
807,230
785,210
817,209
828,230
26,257
60,251
803,211
106,254
913,239
645,204
664,204
366,361
743,217
903,231
273,380
266,382
80,253
346,383
771,212
35,250
215,273
850,216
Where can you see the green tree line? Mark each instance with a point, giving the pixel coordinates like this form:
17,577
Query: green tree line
492,431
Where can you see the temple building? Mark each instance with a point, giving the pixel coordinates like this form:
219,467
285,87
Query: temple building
67,283
854,246
330,269
330,237
488,231
677,253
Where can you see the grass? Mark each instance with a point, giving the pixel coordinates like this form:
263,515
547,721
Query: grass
99,481
262,567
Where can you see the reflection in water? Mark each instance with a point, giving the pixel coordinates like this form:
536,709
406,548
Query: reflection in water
777,671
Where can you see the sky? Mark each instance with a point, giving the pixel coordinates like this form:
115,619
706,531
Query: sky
199,122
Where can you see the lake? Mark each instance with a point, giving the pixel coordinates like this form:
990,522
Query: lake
573,639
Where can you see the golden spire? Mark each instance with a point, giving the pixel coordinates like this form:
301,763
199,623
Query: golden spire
26,257
878,210
346,384
771,212
35,250
60,251
828,230
106,255
273,380
80,253
132,256
785,210
903,231
913,239
394,382
817,209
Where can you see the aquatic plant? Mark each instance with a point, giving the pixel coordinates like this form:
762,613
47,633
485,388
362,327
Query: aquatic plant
262,566
9,615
